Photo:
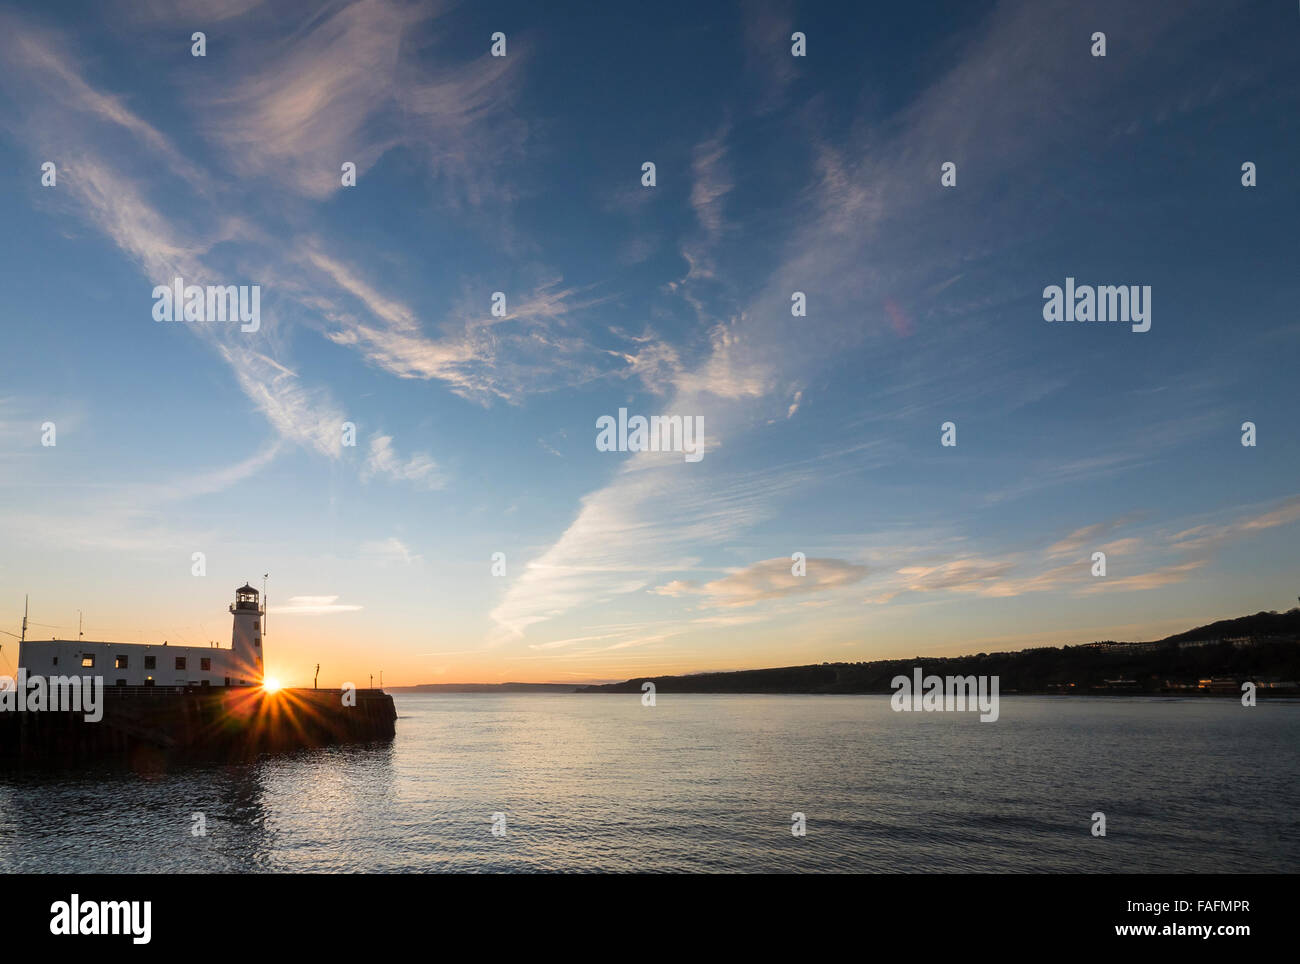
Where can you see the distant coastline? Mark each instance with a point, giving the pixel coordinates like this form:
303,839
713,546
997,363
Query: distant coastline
1210,660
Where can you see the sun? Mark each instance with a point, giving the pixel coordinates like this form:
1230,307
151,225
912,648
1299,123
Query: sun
270,684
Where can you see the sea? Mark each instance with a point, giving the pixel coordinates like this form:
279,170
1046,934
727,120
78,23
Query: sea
699,783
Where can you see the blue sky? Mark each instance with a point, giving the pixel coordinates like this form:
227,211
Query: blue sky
522,174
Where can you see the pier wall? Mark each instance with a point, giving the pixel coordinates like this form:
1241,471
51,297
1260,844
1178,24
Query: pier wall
196,723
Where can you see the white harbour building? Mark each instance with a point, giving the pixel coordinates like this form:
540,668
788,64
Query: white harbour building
139,664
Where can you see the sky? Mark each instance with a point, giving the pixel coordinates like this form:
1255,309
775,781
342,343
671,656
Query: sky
475,433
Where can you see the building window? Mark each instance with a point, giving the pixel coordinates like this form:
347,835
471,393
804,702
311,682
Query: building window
257,641
205,662
56,661
120,663
151,662
121,682
148,681
180,662
88,662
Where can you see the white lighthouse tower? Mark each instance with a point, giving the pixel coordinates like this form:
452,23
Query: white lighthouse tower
246,638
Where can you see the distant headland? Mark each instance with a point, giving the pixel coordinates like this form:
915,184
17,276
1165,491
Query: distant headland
1208,660
1214,659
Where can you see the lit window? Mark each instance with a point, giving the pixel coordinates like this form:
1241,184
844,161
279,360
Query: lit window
88,661
120,663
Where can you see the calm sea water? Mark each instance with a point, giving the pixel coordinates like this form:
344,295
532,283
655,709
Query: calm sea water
708,783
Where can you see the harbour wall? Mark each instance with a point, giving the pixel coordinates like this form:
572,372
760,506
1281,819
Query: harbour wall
200,723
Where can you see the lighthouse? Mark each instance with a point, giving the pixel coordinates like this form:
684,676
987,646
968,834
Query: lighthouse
246,638
174,702
149,664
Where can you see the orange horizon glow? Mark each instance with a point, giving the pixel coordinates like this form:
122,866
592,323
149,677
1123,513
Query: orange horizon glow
381,647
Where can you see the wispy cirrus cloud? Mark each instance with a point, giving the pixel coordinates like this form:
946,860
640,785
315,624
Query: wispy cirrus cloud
958,575
112,182
477,355
711,182
55,94
313,606
769,579
184,11
619,541
1086,537
345,85
1153,579
124,517
388,552
303,414
1211,536
1150,561
383,460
